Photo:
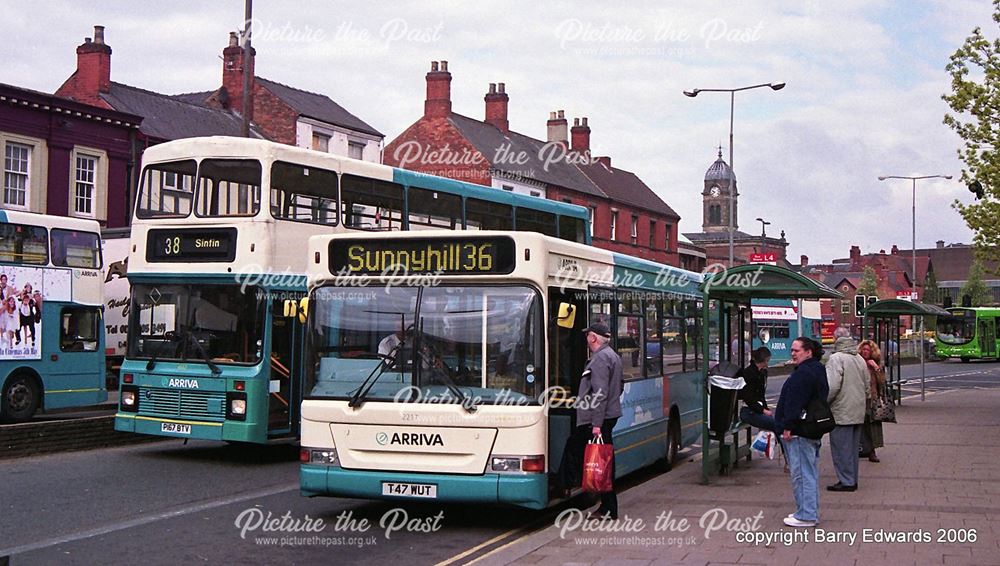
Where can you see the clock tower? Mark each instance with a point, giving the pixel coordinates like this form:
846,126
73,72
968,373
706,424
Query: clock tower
715,197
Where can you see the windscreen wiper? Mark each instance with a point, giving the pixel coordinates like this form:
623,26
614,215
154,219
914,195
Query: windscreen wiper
190,338
377,371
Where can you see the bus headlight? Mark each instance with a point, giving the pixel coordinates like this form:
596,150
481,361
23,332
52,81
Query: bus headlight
518,464
326,456
239,407
236,406
129,399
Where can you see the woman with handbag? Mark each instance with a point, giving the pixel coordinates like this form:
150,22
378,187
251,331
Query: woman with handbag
871,432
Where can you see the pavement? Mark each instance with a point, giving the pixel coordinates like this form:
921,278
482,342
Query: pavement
933,499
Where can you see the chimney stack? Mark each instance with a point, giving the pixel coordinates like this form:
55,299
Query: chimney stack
855,255
233,68
605,161
496,107
580,133
895,249
803,260
438,102
93,72
557,127
940,244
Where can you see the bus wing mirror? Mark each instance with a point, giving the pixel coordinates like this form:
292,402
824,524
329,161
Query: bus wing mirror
303,309
567,315
290,308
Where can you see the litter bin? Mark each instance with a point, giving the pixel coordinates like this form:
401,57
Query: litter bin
722,394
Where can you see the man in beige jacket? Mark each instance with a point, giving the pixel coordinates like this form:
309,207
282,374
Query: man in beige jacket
849,383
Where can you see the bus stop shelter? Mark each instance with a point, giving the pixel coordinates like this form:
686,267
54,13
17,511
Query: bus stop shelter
727,318
882,324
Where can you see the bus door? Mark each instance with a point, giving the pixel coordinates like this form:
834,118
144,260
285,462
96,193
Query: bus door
287,337
567,358
987,337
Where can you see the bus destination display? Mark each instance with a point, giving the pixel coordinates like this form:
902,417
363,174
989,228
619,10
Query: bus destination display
194,245
455,256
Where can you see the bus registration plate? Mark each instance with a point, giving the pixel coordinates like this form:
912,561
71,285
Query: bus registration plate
409,489
175,428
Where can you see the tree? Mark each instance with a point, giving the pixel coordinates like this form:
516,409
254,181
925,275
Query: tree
975,101
869,282
975,287
931,294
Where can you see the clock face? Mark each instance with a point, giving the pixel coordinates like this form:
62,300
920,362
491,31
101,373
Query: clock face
715,191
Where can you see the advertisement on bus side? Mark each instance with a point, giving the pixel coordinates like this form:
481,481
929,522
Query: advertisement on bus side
23,291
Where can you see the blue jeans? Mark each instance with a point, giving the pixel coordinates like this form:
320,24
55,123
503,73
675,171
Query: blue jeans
803,461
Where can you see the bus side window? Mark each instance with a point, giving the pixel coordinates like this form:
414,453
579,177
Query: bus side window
486,215
79,329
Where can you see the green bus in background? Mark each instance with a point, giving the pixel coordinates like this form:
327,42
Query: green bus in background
968,333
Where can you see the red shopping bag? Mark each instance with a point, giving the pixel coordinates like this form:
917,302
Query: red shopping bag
597,466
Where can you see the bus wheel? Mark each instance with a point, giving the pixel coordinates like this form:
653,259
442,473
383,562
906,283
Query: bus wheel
21,398
673,446
965,360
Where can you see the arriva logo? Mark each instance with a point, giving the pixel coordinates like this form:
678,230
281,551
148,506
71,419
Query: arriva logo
185,383
413,439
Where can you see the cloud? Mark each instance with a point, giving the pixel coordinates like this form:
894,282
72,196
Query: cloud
863,96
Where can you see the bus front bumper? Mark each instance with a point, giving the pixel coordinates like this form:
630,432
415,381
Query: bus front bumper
523,490
182,428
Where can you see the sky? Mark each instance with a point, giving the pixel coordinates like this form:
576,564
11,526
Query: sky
863,96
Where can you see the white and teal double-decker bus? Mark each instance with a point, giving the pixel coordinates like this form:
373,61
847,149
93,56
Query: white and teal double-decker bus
217,265
454,379
51,293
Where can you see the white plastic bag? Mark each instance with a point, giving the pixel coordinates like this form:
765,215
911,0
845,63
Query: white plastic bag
765,444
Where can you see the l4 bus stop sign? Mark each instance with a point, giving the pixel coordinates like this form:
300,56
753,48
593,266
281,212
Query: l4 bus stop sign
768,258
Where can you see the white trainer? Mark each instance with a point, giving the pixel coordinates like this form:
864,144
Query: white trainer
793,522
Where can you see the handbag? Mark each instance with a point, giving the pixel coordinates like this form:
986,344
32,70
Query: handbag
883,410
597,466
818,418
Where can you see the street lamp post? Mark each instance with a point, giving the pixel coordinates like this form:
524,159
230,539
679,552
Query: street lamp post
914,180
732,105
763,234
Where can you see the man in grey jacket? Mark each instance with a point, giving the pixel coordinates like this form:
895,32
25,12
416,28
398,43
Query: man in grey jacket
849,382
598,407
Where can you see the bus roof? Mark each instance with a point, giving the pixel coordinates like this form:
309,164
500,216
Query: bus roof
231,147
423,180
49,221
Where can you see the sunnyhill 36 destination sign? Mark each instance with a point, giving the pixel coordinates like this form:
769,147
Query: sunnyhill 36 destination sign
451,256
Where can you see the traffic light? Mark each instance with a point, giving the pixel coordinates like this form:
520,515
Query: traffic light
976,188
871,300
859,305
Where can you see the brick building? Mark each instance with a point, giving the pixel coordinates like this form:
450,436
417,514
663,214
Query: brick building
64,157
278,112
892,274
627,216
714,235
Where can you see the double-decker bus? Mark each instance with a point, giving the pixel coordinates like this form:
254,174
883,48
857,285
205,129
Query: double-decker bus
969,333
778,322
452,380
217,265
51,335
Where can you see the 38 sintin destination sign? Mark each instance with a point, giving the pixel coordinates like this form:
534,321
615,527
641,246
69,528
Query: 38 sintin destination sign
420,256
191,245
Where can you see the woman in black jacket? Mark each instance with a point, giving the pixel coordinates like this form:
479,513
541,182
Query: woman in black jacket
807,381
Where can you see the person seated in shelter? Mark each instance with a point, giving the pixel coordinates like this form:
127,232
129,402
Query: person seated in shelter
756,411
